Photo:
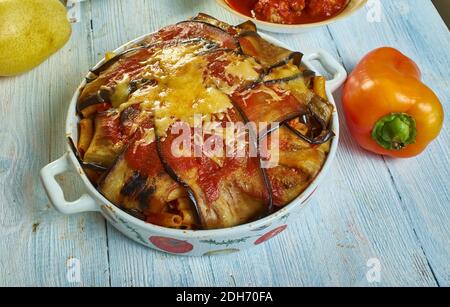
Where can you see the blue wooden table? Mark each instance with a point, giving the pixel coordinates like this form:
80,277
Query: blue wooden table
375,221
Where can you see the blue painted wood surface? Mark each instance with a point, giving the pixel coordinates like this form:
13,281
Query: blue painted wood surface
396,211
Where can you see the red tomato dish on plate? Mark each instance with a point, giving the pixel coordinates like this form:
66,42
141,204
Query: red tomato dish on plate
289,11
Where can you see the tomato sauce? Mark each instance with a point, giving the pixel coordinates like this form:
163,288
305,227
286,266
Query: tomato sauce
216,67
145,159
211,175
110,126
261,107
130,66
289,11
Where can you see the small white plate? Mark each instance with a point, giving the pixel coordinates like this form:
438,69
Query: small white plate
351,8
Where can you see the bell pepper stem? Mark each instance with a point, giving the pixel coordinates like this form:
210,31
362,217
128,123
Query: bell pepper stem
395,131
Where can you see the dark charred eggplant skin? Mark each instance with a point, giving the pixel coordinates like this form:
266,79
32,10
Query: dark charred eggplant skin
305,74
204,23
308,75
213,21
91,166
134,185
233,37
325,135
212,50
128,115
295,57
240,49
280,51
282,121
90,77
245,33
211,46
248,26
144,197
169,170
254,139
136,188
114,60
137,84
102,96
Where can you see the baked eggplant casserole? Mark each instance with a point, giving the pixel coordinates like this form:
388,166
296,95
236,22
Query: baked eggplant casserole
227,74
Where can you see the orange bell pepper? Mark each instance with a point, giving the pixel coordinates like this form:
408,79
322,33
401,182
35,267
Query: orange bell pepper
389,110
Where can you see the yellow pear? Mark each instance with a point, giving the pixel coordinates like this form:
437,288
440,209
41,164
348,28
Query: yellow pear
30,32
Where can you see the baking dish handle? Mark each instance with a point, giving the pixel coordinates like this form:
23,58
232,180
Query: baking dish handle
55,193
331,65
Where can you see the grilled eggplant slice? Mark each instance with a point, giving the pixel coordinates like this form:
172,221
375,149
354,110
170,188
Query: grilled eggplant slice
138,182
269,55
107,142
201,17
299,163
228,190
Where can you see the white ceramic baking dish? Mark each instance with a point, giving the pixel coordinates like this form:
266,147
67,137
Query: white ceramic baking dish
185,242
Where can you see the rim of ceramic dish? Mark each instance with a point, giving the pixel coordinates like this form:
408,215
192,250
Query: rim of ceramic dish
345,13
72,119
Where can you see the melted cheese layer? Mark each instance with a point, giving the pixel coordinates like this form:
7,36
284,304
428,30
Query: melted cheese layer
180,93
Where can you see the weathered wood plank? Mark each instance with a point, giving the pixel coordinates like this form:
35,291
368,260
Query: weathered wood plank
422,183
36,241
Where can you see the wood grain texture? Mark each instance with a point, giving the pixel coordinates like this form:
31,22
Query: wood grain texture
368,207
35,240
422,183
